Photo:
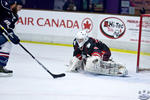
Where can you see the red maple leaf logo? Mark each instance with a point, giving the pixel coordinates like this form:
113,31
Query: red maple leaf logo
87,25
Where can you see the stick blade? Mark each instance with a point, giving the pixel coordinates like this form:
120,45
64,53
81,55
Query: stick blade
58,75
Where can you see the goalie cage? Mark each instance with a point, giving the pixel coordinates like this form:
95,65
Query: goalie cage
143,53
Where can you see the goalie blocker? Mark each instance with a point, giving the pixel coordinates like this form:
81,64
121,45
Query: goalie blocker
93,56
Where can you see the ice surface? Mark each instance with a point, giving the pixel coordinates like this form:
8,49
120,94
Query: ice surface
31,82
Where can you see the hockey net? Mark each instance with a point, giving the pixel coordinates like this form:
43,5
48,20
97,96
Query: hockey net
143,54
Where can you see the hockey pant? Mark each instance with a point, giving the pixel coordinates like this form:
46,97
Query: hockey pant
4,53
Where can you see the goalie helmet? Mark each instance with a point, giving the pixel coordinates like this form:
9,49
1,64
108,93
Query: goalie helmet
81,38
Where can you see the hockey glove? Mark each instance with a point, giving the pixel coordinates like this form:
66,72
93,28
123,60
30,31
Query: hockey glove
13,38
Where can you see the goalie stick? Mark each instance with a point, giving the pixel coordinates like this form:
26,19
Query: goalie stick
53,75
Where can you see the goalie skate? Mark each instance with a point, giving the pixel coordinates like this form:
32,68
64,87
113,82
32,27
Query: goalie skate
97,66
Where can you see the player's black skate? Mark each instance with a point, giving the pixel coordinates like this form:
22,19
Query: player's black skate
5,72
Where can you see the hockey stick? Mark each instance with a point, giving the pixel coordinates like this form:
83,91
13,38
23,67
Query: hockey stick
53,75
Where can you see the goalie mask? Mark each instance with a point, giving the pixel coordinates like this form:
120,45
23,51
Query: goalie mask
81,38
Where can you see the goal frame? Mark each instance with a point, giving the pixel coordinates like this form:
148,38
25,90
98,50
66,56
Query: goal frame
138,69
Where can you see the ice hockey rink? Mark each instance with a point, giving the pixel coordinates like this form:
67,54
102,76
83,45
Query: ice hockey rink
31,82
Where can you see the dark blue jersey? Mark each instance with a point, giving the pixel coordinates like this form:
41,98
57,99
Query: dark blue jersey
7,19
90,48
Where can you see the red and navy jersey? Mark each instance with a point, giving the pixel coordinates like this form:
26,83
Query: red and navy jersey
92,47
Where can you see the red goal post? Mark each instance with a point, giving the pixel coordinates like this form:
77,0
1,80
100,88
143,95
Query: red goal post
143,53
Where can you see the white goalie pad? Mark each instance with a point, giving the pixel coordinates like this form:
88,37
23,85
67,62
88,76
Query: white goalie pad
95,65
74,64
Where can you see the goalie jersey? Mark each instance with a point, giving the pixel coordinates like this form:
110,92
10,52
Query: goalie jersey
92,47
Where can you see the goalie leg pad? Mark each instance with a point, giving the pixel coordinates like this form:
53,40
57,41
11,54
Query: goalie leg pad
115,69
97,66
93,64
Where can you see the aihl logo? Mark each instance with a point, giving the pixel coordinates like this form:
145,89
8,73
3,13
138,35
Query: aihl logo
87,25
112,27
144,95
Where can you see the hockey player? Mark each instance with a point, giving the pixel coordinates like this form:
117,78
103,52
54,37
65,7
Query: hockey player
93,56
8,18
